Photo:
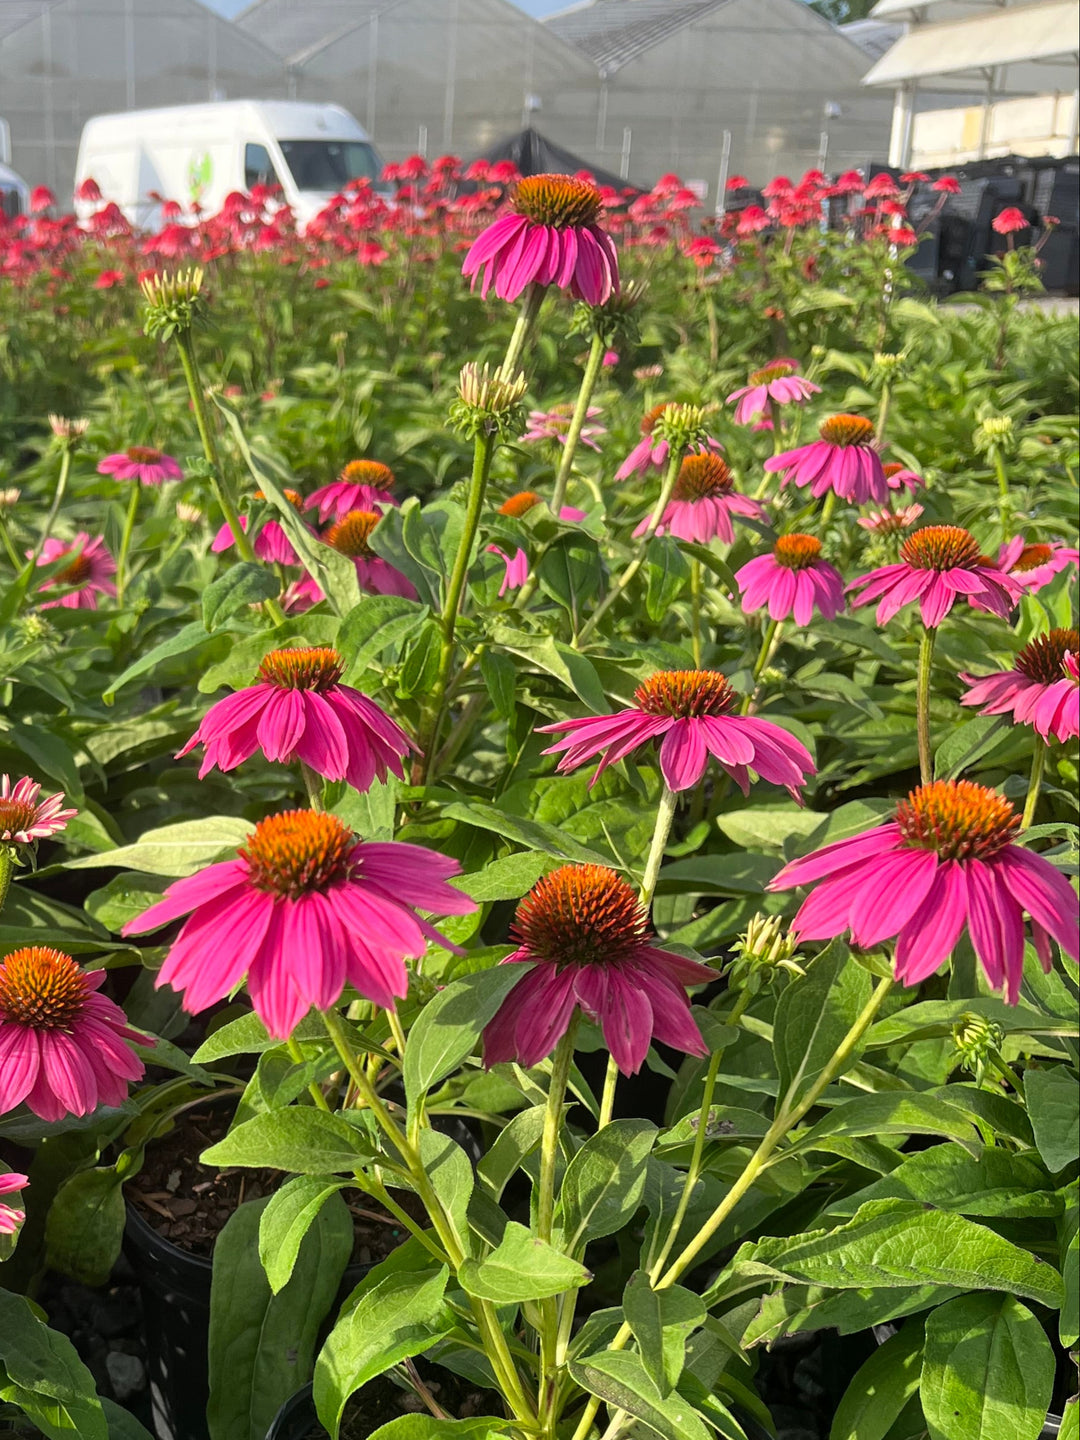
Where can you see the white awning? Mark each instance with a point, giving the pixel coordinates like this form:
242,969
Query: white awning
1027,36
918,10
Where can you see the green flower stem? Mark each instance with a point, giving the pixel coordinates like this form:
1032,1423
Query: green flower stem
297,1056
549,1142
607,1098
54,508
588,384
7,870
787,1118
1038,764
883,412
523,328
666,491
125,542
313,785
922,703
693,1173
665,817
770,643
495,1345
695,611
1005,495
827,510
16,563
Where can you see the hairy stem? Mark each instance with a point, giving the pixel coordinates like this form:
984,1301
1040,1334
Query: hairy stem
922,703
588,384
549,1143
1038,764
54,508
125,542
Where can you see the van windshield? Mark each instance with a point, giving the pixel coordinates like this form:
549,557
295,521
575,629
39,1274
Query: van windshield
329,164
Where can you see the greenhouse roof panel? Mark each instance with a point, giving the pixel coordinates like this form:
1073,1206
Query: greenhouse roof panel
296,29
1004,38
614,34
14,14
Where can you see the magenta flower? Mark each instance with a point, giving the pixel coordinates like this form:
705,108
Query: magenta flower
1034,566
303,909
362,485
890,522
554,424
63,1048
88,575
299,710
10,1218
586,935
898,477
939,564
793,580
691,710
703,502
142,463
517,565
844,460
517,568
269,542
946,861
778,383
651,453
24,818
1040,690
550,237
351,535
1009,221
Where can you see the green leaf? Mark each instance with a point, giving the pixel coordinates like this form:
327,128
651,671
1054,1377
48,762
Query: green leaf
388,1317
573,670
301,1139
968,743
262,1345
620,1379
988,1370
177,850
893,1113
244,583
85,1226
604,1181
376,624
450,1025
894,1244
1069,1251
186,641
662,1321
511,1146
287,1219
763,827
122,1424
570,573
994,1182
240,666
125,898
667,572
450,1172
521,1267
813,1015
426,1427
500,677
1052,1101
505,879
880,1388
934,1019
45,1376
420,667
533,834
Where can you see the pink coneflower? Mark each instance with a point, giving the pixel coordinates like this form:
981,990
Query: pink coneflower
882,185
849,183
517,565
844,460
703,502
362,485
691,709
752,219
24,818
1040,690
142,463
1034,566
946,861
890,522
587,937
63,1047
947,185
10,1218
1009,221
299,710
899,477
303,909
553,424
651,453
552,237
792,580
269,542
301,595
939,564
88,575
109,279
351,535
777,383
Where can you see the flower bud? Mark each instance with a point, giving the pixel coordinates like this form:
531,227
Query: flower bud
763,950
681,426
174,303
978,1042
68,432
489,403
9,498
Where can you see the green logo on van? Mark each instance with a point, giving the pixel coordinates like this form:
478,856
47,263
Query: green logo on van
200,173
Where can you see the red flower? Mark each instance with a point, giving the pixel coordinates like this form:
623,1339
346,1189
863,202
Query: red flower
947,185
1009,220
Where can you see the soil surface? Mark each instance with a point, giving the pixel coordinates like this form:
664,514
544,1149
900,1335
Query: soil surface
189,1204
381,1401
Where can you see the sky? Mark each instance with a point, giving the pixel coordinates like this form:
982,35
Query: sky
531,7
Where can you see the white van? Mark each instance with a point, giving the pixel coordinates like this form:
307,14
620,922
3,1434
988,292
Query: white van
14,194
202,152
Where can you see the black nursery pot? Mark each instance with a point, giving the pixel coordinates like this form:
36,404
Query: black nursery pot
296,1420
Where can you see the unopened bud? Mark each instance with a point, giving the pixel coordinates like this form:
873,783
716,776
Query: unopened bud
189,514
887,364
977,1042
994,432
69,432
489,403
681,426
174,303
9,498
763,950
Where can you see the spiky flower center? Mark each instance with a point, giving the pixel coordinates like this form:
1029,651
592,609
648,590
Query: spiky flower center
16,815
352,533
685,694
317,668
892,468
796,551
957,819
847,430
78,572
143,454
519,504
1032,556
295,499
581,915
372,473
649,419
41,988
1041,659
777,370
291,854
701,476
558,200
941,547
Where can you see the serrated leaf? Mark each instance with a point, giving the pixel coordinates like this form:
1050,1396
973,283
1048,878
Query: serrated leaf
286,1220
521,1267
244,583
604,1181
300,1139
813,1015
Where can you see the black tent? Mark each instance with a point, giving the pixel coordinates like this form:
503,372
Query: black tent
535,154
